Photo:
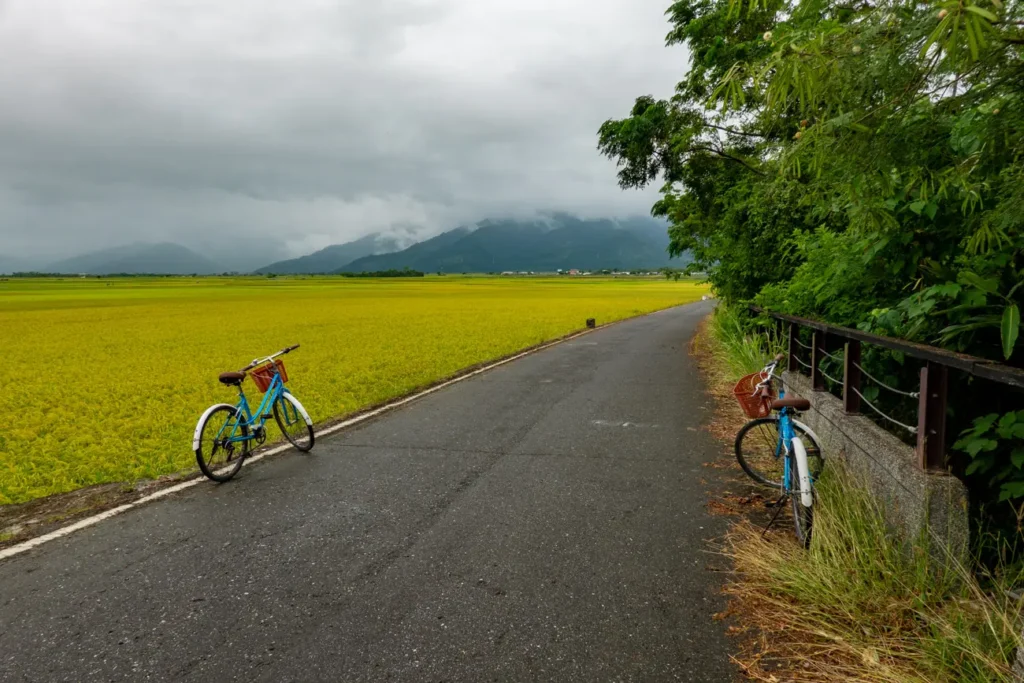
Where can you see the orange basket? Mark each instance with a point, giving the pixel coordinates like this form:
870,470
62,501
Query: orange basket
264,375
753,404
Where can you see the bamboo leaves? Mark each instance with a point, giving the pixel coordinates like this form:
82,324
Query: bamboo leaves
960,24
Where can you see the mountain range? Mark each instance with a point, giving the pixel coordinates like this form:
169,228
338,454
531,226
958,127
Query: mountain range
561,242
157,259
329,259
556,241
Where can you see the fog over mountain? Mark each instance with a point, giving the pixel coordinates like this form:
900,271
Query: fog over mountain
257,131
330,259
156,259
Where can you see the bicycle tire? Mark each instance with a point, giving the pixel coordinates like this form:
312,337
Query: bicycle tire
207,451
754,448
294,422
803,516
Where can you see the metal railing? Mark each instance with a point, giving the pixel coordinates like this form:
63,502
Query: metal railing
932,392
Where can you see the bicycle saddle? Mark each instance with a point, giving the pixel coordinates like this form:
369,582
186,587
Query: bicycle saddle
231,378
793,402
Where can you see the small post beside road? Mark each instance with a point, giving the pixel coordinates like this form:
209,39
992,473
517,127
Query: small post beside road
851,377
591,323
931,418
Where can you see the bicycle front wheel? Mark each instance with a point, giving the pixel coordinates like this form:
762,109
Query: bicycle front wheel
761,456
221,442
294,422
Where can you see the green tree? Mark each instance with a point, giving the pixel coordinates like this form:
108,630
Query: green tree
857,161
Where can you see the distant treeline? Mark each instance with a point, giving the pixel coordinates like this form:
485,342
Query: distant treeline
394,272
405,272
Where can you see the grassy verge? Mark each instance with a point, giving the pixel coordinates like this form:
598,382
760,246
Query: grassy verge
857,605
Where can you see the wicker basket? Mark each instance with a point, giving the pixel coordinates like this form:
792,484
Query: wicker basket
264,375
753,403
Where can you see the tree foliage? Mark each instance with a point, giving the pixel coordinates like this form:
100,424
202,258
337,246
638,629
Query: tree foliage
858,161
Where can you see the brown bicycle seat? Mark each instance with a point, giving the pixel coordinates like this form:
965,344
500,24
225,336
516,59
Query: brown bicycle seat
231,378
795,403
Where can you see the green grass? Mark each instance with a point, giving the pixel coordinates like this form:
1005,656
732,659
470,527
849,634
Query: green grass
104,379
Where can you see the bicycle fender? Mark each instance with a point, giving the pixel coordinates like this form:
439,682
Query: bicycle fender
803,472
810,433
202,419
298,406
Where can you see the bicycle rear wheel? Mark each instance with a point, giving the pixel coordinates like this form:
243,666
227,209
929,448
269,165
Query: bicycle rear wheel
294,422
757,450
221,442
803,516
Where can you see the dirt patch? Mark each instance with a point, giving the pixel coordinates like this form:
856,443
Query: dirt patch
740,496
41,516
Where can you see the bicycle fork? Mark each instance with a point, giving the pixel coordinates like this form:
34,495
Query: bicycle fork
803,471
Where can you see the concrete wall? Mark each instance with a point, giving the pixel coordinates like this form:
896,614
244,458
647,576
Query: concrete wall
915,503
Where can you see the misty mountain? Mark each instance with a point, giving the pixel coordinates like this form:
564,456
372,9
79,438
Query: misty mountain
543,245
14,264
333,258
158,259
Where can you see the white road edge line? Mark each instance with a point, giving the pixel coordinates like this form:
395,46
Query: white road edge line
107,514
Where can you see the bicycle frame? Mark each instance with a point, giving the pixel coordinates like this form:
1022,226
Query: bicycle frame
787,436
258,418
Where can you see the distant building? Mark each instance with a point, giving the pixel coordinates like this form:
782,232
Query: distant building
574,271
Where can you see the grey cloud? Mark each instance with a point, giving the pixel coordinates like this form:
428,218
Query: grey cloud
295,125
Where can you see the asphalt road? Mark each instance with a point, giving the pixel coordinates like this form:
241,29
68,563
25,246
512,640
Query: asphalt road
543,521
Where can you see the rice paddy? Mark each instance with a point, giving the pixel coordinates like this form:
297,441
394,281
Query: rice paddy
103,379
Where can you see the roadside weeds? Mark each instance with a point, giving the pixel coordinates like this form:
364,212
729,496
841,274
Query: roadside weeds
856,606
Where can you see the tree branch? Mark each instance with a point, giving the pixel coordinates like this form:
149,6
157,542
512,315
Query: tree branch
734,132
726,155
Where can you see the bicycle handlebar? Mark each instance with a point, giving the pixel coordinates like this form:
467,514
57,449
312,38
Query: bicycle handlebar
287,349
770,371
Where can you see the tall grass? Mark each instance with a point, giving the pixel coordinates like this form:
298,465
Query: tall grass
860,604
739,346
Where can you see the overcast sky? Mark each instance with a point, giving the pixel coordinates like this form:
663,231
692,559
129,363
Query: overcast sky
304,123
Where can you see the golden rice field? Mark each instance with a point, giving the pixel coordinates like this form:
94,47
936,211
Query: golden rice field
103,380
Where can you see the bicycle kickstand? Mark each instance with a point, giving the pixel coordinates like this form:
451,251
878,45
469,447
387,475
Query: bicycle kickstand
778,509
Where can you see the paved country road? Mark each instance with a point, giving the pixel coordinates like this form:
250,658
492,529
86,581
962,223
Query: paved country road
543,521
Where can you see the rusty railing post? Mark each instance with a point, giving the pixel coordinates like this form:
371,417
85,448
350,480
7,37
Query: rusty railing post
791,365
931,418
851,377
817,352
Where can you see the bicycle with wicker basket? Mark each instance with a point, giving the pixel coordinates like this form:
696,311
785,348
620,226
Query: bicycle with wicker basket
226,434
778,450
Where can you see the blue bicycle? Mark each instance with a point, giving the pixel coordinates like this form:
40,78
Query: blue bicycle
779,451
226,434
